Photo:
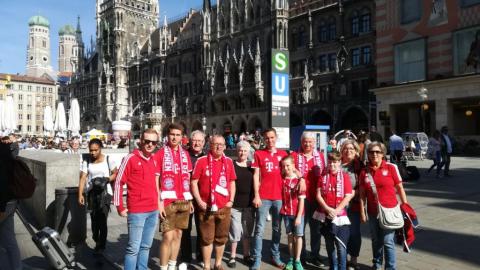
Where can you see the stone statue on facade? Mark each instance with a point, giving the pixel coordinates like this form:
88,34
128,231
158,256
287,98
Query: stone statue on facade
307,85
342,57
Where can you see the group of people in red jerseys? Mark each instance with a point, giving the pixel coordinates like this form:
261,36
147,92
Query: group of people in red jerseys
333,197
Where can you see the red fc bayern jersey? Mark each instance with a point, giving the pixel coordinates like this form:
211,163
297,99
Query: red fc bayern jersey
313,174
270,176
202,173
386,178
290,197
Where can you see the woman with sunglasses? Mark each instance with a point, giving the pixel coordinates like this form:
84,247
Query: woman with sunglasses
388,182
351,164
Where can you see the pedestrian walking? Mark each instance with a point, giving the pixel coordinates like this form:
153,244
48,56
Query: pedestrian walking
446,150
213,186
140,174
334,193
292,212
434,152
175,197
242,224
388,182
96,175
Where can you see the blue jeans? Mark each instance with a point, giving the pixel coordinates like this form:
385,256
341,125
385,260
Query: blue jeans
141,229
336,250
383,241
261,218
315,235
290,227
355,240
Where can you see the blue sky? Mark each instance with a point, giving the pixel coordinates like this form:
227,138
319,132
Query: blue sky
14,15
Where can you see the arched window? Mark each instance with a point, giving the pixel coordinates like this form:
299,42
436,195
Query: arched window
322,31
332,28
62,50
301,37
355,23
365,21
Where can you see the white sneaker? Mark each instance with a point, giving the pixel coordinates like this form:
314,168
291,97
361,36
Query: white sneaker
182,266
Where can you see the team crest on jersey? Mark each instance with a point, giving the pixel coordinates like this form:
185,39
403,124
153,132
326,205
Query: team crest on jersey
223,181
384,172
207,171
279,158
139,163
186,184
168,183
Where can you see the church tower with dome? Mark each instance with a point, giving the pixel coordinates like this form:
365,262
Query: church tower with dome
38,50
70,49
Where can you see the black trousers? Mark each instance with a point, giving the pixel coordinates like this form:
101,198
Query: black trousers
99,227
186,244
446,161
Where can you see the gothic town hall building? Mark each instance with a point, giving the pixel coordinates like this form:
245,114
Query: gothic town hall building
210,69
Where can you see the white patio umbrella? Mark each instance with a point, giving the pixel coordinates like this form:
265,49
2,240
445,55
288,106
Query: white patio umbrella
74,117
9,116
2,107
60,120
47,120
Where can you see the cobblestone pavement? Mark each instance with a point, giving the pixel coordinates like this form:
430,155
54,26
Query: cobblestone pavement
448,210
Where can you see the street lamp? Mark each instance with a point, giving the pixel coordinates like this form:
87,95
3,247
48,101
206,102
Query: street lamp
423,94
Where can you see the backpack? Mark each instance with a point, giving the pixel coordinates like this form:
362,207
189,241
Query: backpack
22,183
98,198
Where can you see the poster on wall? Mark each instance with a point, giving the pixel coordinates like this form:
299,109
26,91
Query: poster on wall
467,51
281,97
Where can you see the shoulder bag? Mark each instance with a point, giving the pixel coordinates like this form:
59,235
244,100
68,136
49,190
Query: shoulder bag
388,218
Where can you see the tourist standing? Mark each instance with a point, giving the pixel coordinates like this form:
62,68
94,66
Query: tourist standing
292,211
267,185
351,165
333,194
311,165
213,186
139,173
197,143
397,146
242,224
96,174
388,183
175,197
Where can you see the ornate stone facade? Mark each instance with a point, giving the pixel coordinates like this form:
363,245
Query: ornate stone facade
211,68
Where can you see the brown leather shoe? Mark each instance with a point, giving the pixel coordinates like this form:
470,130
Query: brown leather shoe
218,267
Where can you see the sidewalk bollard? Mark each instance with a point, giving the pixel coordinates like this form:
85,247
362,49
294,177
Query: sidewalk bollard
70,217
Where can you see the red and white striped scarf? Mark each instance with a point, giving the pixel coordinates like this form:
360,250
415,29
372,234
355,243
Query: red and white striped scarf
302,163
223,175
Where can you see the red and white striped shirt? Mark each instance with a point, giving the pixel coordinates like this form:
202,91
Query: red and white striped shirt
139,174
291,197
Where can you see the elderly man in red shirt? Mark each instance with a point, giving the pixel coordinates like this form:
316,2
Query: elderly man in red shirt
139,172
213,187
175,204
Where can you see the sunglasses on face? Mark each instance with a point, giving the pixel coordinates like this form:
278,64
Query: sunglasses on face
146,142
378,152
